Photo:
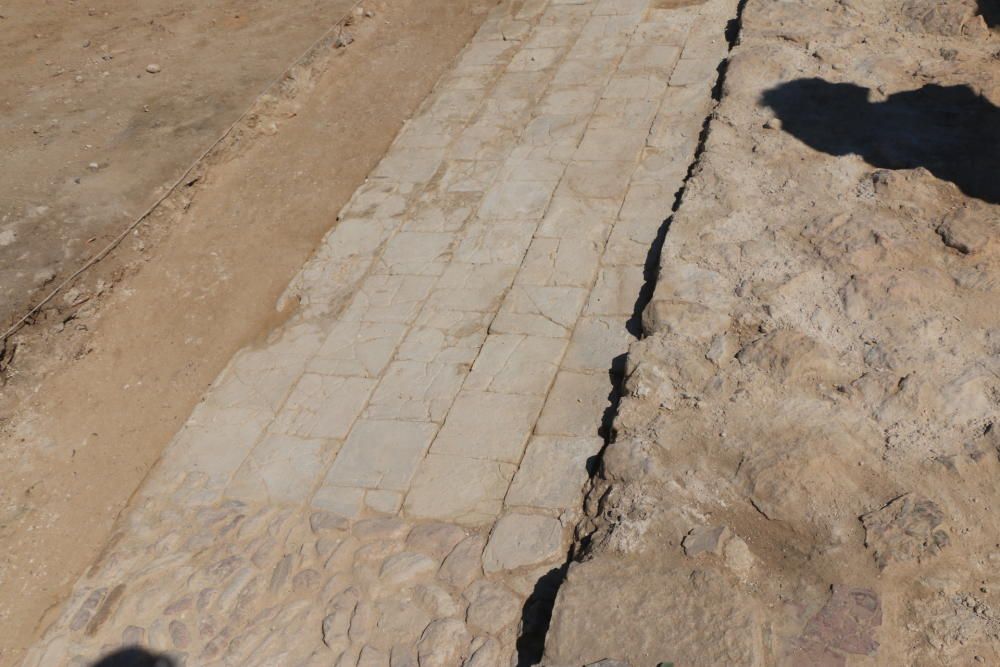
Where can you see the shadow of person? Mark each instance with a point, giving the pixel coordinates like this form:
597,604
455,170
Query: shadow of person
949,130
134,657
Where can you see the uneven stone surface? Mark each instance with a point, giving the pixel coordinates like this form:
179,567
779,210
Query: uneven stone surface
818,371
391,478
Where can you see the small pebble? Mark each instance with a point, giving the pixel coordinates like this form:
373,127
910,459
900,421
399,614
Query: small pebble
78,78
343,40
93,166
86,44
152,68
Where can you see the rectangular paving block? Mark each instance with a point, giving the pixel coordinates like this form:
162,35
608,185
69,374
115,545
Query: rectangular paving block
381,454
616,291
486,425
599,345
560,262
491,243
416,391
282,469
576,405
359,349
468,491
445,336
597,179
553,472
578,217
383,298
323,406
540,311
514,364
416,254
472,287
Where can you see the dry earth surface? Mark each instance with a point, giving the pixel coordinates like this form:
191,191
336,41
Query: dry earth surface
734,259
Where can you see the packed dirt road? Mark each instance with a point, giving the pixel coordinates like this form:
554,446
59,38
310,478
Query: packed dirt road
664,332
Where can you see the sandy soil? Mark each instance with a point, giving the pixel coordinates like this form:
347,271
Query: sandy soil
105,377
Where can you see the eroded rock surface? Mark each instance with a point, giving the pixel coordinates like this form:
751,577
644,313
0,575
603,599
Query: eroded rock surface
804,461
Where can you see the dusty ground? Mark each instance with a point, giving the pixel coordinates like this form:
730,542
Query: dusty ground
804,470
90,137
106,376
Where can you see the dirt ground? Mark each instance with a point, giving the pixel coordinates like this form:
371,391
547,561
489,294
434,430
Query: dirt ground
95,388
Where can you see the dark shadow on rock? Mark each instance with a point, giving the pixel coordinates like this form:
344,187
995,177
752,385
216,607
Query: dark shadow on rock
134,657
990,11
536,616
949,130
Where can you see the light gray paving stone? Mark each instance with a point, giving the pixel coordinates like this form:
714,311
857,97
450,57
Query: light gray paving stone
649,203
565,262
630,243
410,165
551,36
382,298
609,27
445,336
436,211
517,168
577,217
585,71
661,27
596,180
625,113
675,133
386,502
281,469
534,60
694,70
340,500
468,491
468,175
512,364
531,8
416,390
361,349
596,343
516,200
473,77
486,425
379,199
554,130
662,167
486,53
472,287
427,132
621,144
323,406
570,99
576,404
621,7
457,104
540,311
638,86
553,472
355,237
521,540
381,454
491,243
616,290
646,57
417,254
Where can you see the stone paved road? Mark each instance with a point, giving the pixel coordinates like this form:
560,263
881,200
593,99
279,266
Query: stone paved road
388,479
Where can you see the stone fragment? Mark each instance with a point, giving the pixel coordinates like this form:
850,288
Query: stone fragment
492,607
486,653
465,490
909,528
381,529
321,522
444,643
337,622
179,635
372,657
705,539
847,622
405,568
435,539
519,540
435,600
967,230
133,636
553,472
464,563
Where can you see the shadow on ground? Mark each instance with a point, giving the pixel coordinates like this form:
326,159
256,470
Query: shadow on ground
134,657
990,11
950,130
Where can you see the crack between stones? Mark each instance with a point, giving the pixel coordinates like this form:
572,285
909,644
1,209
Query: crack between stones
538,609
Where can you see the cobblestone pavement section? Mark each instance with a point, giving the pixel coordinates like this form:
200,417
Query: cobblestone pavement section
388,479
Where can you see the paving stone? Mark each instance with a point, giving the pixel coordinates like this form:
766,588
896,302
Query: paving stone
602,179
492,606
576,405
630,243
469,175
534,60
438,212
468,491
214,442
357,349
446,337
472,287
417,254
488,243
520,540
486,425
559,262
465,563
598,344
540,311
323,406
444,643
281,468
386,502
383,298
621,144
405,568
416,391
516,200
694,70
575,217
341,500
410,165
553,472
381,454
616,291
512,364
637,115
435,539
